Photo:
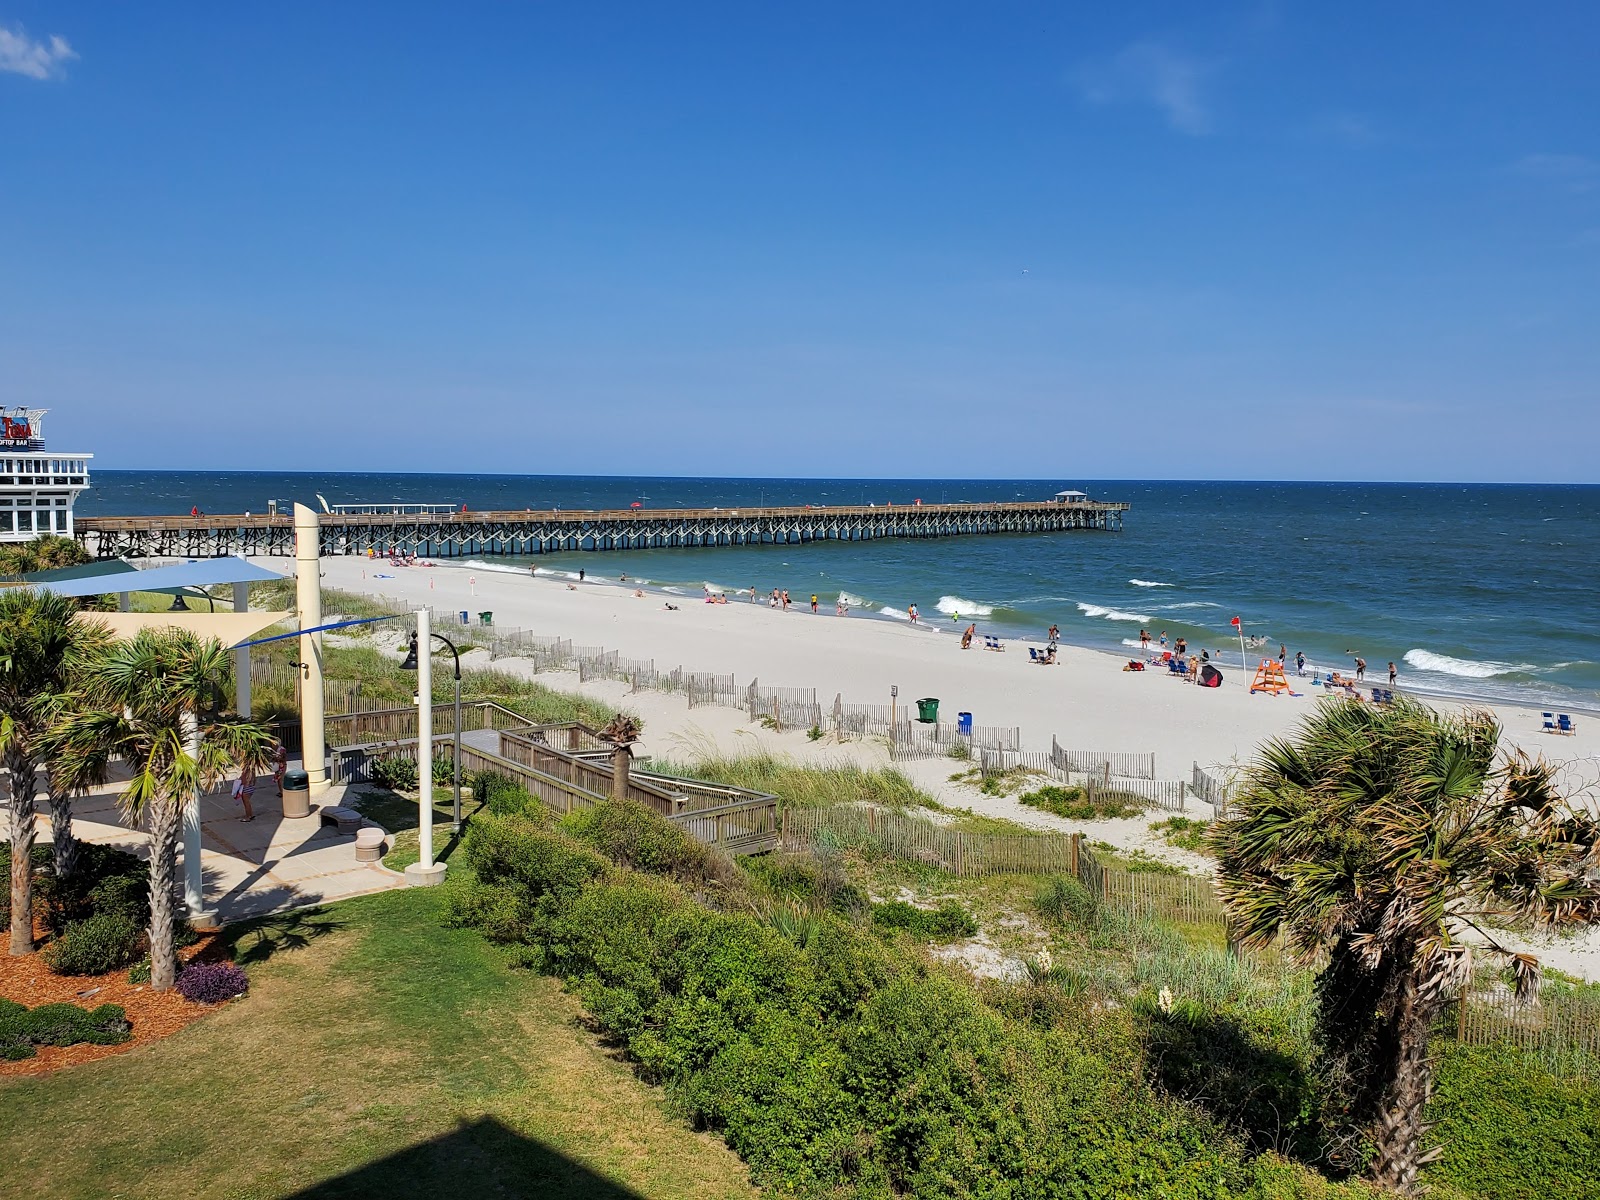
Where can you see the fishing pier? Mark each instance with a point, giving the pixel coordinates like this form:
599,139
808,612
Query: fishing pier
453,534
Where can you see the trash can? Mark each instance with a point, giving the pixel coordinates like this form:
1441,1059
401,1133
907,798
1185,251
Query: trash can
928,710
466,617
486,618
296,794
964,724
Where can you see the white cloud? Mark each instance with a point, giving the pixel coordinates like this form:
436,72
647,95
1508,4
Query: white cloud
1150,73
21,55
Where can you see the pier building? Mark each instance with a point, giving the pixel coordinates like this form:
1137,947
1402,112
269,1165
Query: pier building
38,487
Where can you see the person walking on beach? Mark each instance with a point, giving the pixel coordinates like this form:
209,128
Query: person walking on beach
813,604
1392,673
1361,668
1283,654
1300,662
1053,634
580,574
966,638
785,599
913,614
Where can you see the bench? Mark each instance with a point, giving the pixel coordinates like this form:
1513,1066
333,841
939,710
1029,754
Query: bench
347,819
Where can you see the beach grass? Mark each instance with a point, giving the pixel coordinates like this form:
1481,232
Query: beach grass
377,1053
820,785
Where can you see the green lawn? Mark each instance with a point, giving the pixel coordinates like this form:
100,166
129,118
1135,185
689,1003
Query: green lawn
376,1054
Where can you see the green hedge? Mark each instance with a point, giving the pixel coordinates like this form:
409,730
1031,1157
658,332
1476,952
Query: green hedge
837,1066
1511,1130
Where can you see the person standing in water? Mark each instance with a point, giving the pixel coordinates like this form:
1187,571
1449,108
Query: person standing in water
1300,662
813,604
1361,668
913,614
1053,634
1392,672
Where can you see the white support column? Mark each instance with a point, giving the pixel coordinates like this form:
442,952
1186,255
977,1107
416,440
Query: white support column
241,656
425,871
308,599
194,899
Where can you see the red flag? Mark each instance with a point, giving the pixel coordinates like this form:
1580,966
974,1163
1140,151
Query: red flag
1236,622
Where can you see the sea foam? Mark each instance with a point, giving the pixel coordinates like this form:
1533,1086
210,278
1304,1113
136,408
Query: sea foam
1467,668
952,605
1149,583
497,568
1110,614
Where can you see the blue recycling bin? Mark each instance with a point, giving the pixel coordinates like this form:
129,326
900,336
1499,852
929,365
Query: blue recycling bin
964,724
465,617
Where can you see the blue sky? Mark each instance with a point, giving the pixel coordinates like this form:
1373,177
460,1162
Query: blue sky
1265,241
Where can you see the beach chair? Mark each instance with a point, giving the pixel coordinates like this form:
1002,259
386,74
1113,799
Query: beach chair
992,642
1175,666
1033,654
1565,724
1549,723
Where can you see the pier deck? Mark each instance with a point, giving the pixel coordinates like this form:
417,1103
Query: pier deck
447,535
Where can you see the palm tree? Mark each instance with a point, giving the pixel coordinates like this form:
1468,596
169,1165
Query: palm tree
42,650
158,702
622,731
46,552
1396,841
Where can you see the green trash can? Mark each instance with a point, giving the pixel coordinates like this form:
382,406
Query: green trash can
928,710
486,618
296,794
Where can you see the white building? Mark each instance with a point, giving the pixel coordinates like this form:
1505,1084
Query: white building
37,486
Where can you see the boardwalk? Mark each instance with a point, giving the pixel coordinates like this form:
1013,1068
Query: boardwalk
447,535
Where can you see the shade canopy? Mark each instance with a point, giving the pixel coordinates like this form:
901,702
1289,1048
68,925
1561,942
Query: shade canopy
88,570
200,573
228,628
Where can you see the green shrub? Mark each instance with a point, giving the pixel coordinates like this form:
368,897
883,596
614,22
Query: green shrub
395,773
944,924
516,852
1186,833
444,771
22,1029
502,794
1508,1128
95,945
1064,899
1077,804
630,835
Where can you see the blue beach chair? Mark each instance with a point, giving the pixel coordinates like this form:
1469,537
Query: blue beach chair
1549,723
1565,724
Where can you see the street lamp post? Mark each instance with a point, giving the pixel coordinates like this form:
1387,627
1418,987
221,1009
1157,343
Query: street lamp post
425,871
410,664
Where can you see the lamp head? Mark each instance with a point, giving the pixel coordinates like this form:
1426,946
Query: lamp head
177,604
410,663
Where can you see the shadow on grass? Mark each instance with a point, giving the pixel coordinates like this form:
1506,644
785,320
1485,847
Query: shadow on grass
1234,1072
480,1158
257,940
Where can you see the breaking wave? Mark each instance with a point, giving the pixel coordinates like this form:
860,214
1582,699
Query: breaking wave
1149,583
498,568
951,605
1466,668
1110,614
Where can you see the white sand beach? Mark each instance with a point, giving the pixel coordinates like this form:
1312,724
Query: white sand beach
1086,700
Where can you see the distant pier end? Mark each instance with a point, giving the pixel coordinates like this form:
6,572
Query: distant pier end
453,534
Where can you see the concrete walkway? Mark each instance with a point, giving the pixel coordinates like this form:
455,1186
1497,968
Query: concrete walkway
249,867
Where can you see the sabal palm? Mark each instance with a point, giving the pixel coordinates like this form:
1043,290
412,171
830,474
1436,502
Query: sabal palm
622,731
42,649
146,701
1390,840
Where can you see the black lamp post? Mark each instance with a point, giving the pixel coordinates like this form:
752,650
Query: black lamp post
410,664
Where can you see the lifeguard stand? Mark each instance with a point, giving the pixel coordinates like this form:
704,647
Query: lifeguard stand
1270,678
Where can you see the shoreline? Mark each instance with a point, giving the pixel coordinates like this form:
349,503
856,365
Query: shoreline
1087,701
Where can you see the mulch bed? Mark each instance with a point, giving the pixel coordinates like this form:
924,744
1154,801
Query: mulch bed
154,1015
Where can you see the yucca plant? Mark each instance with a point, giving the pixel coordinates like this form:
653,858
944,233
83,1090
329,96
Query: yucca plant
158,701
1397,841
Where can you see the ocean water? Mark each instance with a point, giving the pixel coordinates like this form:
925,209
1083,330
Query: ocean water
1470,589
